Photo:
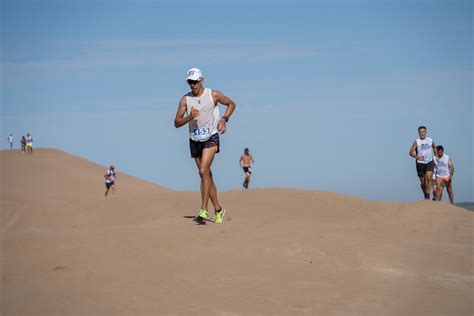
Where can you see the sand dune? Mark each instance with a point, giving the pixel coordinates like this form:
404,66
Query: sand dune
66,251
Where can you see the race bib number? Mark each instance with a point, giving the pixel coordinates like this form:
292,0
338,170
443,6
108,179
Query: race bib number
428,157
202,133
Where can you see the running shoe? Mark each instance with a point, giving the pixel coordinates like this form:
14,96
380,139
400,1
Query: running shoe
219,216
203,214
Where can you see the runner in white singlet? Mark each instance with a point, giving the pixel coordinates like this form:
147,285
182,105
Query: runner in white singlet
199,109
445,174
423,152
10,140
110,176
29,143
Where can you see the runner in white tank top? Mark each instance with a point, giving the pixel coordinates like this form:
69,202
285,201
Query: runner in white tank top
445,167
442,164
199,109
29,143
422,150
205,125
110,181
109,176
10,140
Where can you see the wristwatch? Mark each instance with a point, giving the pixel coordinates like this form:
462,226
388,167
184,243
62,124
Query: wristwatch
225,118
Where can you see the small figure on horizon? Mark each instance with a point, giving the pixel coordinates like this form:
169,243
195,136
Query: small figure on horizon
23,144
423,150
10,140
245,162
445,166
199,109
29,143
110,181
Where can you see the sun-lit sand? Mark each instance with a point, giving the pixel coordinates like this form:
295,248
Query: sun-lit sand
67,251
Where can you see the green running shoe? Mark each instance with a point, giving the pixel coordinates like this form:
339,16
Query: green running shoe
203,213
219,216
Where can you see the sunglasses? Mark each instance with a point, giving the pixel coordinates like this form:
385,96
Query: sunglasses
192,82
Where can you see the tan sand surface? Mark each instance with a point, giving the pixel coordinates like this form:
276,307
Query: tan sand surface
67,251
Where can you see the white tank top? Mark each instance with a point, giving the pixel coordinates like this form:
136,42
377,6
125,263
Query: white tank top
443,166
424,148
202,127
110,176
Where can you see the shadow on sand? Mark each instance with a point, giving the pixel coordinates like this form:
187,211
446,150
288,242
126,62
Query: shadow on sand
198,220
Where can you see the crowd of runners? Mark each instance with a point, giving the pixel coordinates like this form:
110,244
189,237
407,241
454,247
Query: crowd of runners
26,143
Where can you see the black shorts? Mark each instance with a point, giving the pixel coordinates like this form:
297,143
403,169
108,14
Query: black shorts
109,184
422,168
247,170
197,147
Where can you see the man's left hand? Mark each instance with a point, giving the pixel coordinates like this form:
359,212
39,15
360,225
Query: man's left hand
221,126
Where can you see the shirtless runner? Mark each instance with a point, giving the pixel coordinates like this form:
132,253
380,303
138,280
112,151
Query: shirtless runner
245,162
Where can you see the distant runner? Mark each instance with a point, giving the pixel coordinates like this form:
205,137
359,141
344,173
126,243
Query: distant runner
245,162
202,116
23,144
445,174
110,181
10,140
434,185
29,143
423,151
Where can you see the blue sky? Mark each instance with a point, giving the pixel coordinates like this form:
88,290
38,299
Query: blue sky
329,94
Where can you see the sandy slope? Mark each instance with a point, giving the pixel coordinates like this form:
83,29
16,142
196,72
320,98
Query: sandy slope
66,251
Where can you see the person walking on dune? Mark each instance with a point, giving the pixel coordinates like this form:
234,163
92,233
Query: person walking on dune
10,140
110,176
245,162
23,144
199,109
29,143
423,150
445,166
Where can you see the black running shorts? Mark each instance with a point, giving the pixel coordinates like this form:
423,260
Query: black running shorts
109,184
196,148
422,168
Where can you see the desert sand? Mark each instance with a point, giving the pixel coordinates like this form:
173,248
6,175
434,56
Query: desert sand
67,251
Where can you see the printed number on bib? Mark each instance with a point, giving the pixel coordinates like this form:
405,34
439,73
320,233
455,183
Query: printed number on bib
427,157
202,133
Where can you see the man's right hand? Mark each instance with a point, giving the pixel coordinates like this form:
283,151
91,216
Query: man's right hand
194,113
419,158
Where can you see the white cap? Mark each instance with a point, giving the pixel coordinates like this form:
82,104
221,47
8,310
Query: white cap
194,74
